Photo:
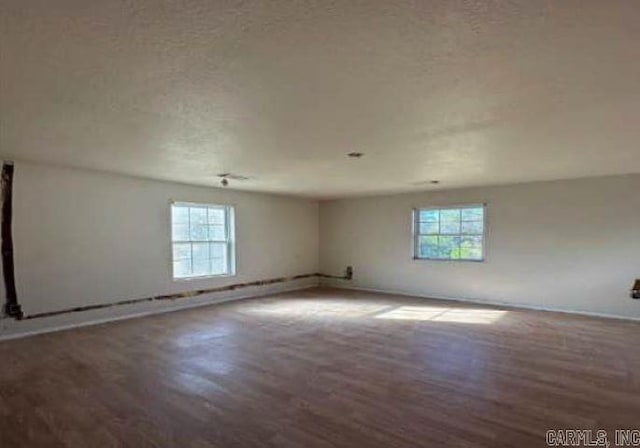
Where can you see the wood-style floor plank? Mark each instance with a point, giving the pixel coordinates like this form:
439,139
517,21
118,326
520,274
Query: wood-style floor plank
322,368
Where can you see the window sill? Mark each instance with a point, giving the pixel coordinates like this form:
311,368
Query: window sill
453,260
202,277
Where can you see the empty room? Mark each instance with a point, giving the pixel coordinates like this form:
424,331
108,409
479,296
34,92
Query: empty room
319,224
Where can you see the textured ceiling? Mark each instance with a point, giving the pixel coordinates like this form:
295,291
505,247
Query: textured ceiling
466,92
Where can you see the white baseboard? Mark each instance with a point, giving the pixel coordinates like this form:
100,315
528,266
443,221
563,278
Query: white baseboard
487,302
11,329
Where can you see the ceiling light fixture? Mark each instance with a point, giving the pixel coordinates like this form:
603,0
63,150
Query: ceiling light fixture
226,176
232,176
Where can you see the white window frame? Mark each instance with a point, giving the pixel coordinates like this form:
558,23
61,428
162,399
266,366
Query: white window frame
230,242
415,234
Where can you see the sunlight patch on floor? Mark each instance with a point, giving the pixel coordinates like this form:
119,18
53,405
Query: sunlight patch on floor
355,309
438,314
318,308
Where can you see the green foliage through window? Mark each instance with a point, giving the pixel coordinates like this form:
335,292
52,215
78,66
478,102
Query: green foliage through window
450,233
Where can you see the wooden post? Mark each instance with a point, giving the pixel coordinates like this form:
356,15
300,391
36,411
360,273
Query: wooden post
11,308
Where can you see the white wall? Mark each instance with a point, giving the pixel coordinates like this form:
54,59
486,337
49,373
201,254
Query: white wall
569,245
84,238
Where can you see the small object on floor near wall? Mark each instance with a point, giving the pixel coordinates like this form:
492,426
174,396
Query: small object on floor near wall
635,292
348,275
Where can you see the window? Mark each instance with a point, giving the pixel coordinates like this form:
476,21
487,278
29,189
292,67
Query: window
452,233
202,240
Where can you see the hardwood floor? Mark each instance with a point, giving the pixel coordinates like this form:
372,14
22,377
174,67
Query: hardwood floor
322,368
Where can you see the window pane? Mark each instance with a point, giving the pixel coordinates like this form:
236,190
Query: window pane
180,232
216,216
474,227
428,247
455,254
202,267
471,253
429,215
473,214
198,215
200,251
181,252
429,228
450,215
449,247
198,232
179,214
182,268
218,266
218,250
452,233
450,227
471,241
192,229
217,233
